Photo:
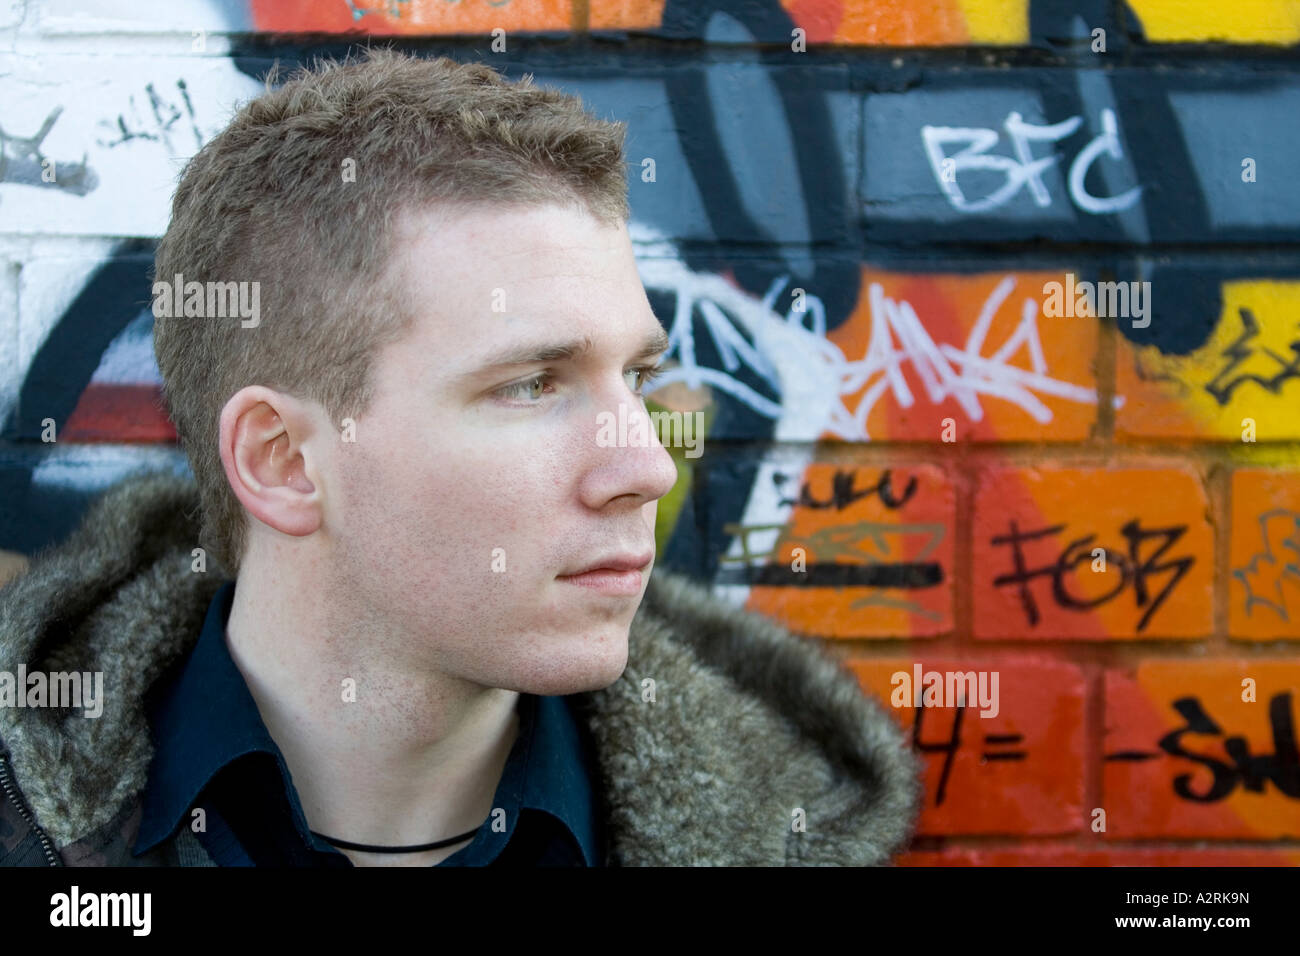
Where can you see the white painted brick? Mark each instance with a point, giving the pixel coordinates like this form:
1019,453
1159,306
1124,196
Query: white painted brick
46,287
142,16
9,361
134,145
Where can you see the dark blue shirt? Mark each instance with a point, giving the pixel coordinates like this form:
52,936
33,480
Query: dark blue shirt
212,750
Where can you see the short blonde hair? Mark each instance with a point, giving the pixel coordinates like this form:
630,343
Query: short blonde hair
299,193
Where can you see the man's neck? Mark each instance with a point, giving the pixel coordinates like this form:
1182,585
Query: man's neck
378,755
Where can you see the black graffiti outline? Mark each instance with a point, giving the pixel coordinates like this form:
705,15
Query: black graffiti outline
1132,569
843,493
1282,766
862,571
949,749
953,744
1239,353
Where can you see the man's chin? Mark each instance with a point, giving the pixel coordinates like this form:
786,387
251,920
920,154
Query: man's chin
584,672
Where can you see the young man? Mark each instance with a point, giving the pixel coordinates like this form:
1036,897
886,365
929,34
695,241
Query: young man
417,624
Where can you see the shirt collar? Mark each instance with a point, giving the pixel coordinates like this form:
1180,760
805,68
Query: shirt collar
557,778
207,719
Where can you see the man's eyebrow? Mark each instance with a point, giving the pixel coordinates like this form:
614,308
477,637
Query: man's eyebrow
653,344
656,342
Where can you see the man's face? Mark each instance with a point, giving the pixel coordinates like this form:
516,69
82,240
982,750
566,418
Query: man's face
476,486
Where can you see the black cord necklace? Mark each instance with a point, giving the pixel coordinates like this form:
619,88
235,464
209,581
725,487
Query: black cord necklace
365,847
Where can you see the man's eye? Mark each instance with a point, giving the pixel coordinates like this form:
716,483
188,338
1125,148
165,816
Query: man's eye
532,388
648,374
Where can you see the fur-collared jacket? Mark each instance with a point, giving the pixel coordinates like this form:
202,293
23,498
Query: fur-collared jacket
749,724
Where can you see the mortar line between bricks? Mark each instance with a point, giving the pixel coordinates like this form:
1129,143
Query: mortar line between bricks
1104,369
1217,489
645,47
1083,451
1004,841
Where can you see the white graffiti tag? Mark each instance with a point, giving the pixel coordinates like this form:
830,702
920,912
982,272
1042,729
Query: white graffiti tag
965,374
1023,169
812,377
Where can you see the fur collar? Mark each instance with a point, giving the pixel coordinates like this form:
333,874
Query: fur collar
749,723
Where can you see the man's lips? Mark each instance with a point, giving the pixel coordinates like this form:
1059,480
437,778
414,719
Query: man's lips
624,561
617,575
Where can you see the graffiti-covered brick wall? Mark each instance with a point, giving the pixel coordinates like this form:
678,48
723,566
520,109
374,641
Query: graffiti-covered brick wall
989,310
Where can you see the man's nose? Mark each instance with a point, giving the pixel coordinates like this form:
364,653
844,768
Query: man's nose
633,460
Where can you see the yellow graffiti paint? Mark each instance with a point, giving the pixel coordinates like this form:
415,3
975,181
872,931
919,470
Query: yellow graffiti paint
1242,21
1247,370
997,21
670,505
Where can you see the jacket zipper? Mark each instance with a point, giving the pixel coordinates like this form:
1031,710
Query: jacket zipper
6,783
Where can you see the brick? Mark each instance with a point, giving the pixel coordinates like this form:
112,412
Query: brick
989,194
910,361
678,202
157,19
926,359
875,546
1264,582
626,15
45,489
1019,772
117,136
412,18
82,324
1246,372
119,413
1186,756
11,357
1194,23
1153,579
939,22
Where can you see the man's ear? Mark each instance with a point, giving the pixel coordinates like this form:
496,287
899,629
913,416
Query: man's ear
270,459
